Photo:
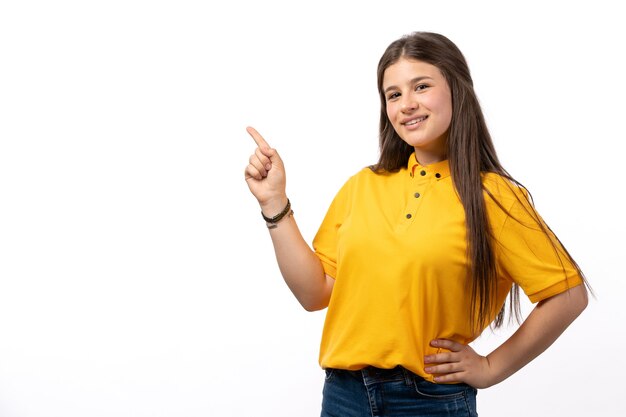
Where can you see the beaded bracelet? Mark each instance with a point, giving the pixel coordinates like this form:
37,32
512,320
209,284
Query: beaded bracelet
279,216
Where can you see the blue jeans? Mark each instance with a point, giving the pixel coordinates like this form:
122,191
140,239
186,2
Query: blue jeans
374,392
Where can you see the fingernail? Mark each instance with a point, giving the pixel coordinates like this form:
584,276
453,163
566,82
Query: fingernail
268,166
428,369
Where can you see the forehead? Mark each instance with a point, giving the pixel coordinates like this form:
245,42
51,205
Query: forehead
406,69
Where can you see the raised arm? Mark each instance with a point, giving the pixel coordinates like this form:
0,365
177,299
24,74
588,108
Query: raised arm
300,267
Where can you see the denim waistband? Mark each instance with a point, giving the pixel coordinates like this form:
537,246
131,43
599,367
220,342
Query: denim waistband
373,375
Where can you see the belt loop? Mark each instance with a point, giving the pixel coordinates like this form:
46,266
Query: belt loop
407,376
364,376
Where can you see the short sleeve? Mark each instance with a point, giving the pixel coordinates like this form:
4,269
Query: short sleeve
536,261
325,241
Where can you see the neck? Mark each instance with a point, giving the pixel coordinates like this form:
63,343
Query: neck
424,157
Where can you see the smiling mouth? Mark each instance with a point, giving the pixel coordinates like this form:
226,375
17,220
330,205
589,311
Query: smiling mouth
416,121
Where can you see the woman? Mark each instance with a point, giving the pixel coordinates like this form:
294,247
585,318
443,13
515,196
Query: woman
417,254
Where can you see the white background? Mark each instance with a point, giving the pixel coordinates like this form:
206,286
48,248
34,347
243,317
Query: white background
137,277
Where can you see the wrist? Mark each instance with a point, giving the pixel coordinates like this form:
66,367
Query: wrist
495,374
273,206
272,222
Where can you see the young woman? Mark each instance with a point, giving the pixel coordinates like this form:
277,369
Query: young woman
417,253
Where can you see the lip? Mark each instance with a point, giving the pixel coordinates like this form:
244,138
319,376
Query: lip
404,122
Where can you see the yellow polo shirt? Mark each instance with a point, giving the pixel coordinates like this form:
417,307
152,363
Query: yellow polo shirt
396,246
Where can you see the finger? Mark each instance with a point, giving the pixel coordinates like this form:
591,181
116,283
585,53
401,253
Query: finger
253,173
258,139
263,159
255,162
447,344
450,378
446,368
443,357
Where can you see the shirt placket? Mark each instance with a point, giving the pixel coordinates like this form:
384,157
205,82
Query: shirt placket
418,184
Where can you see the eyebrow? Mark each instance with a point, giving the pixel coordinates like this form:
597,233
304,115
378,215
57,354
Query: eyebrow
413,81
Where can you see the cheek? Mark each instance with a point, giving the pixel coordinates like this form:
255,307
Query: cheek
391,113
448,113
442,105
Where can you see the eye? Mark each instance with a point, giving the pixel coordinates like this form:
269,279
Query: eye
393,95
421,87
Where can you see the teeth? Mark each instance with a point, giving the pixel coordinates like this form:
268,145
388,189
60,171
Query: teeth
412,122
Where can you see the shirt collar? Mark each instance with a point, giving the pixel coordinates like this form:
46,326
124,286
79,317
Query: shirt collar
437,170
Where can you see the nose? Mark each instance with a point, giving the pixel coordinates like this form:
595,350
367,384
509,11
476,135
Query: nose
408,104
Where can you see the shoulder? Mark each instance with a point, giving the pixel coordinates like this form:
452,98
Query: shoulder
366,183
352,183
503,190
505,199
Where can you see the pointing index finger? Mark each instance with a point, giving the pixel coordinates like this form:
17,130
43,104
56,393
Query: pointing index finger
258,139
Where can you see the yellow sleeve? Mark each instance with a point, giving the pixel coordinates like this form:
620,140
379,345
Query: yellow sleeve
536,261
325,241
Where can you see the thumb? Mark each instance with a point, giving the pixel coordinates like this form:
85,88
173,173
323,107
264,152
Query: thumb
273,155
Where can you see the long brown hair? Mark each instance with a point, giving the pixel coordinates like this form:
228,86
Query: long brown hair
470,152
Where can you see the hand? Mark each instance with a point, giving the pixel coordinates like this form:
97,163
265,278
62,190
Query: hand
265,176
460,364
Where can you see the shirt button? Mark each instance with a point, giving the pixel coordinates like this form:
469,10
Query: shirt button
438,175
416,195
422,173
408,216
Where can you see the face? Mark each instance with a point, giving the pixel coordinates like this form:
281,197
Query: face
419,107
